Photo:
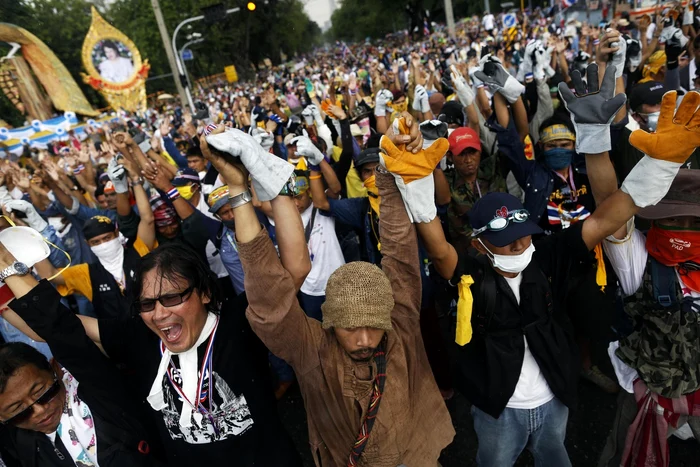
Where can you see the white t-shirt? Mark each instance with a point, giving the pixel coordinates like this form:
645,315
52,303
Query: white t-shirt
213,256
532,389
324,251
117,70
488,22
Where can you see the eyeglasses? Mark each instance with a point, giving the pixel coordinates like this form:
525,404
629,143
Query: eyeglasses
499,223
149,304
43,399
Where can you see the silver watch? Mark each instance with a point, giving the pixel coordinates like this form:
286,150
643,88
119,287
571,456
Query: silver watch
15,269
240,199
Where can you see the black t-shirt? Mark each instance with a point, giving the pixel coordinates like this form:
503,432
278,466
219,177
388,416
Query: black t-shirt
248,430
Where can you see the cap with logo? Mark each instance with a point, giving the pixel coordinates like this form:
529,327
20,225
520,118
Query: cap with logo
186,176
463,138
495,205
649,93
218,199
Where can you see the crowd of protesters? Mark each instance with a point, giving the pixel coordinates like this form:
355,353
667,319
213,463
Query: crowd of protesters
382,224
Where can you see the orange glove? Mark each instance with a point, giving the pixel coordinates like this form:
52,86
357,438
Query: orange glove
676,137
414,172
326,106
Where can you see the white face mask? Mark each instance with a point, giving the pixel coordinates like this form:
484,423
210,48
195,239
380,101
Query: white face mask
511,263
111,256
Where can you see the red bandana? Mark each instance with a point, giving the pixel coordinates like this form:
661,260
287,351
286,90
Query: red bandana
674,247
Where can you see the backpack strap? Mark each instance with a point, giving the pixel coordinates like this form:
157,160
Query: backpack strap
664,283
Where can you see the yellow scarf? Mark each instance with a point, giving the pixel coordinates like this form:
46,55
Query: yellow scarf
463,334
372,193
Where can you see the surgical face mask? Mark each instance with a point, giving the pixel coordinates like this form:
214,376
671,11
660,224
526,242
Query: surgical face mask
511,263
186,192
558,158
634,62
650,120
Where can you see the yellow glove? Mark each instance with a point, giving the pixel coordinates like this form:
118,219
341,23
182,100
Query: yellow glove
676,137
414,172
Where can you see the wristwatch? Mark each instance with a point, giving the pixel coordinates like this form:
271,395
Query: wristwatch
15,269
240,199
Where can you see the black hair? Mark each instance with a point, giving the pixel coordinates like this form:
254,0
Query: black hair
177,260
15,355
111,44
696,42
99,190
194,151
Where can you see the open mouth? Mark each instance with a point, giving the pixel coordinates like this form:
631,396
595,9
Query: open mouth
172,333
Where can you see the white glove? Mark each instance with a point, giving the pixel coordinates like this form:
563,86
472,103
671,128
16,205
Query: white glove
420,99
306,148
316,112
308,115
476,82
33,219
269,172
117,175
526,66
618,58
538,68
465,93
548,62
383,98
263,137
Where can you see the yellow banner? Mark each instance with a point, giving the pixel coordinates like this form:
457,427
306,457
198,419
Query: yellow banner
231,74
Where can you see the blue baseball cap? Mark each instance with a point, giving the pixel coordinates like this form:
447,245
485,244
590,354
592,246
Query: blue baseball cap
495,205
186,176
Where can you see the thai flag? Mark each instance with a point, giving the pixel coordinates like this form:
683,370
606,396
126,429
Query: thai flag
426,28
567,3
558,215
344,49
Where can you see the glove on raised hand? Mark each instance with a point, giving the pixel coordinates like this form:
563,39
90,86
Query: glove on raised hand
618,58
306,148
548,62
498,79
33,219
666,150
308,115
263,137
593,110
269,172
527,66
383,98
413,172
316,114
464,92
420,99
541,61
117,175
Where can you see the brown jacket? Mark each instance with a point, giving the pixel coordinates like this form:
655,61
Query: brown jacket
413,425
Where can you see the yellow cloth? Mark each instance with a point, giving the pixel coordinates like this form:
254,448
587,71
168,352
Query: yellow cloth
77,278
170,160
354,185
601,276
463,334
373,193
336,153
653,65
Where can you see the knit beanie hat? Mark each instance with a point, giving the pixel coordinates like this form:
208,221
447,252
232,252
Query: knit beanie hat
358,294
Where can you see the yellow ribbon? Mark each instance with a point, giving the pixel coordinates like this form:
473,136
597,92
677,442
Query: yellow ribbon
601,276
463,335
50,244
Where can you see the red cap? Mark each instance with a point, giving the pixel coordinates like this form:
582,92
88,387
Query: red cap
463,138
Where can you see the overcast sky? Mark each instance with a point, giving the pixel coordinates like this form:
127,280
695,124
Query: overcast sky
318,10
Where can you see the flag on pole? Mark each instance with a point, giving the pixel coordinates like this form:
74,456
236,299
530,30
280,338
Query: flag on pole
567,3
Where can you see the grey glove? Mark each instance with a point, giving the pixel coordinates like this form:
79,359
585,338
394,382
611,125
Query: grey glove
117,175
464,92
383,98
306,148
420,99
263,137
498,79
33,219
592,110
431,131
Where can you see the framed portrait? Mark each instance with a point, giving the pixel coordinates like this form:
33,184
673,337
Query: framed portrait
113,60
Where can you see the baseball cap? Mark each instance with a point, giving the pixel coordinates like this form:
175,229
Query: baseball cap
367,156
185,176
494,205
355,130
218,198
682,199
463,138
108,188
98,225
288,139
649,93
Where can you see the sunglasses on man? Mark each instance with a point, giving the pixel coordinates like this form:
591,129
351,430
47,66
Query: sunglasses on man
169,300
44,399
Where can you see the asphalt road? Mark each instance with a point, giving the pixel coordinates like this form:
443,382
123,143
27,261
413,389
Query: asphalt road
588,428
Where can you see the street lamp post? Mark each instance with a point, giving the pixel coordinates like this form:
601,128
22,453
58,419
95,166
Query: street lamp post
180,67
187,44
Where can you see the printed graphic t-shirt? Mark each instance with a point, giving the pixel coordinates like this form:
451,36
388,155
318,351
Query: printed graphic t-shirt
247,430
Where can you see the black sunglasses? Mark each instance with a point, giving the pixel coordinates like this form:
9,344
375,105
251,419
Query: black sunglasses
44,399
149,304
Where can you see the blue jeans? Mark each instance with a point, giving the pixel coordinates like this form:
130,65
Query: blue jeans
541,430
